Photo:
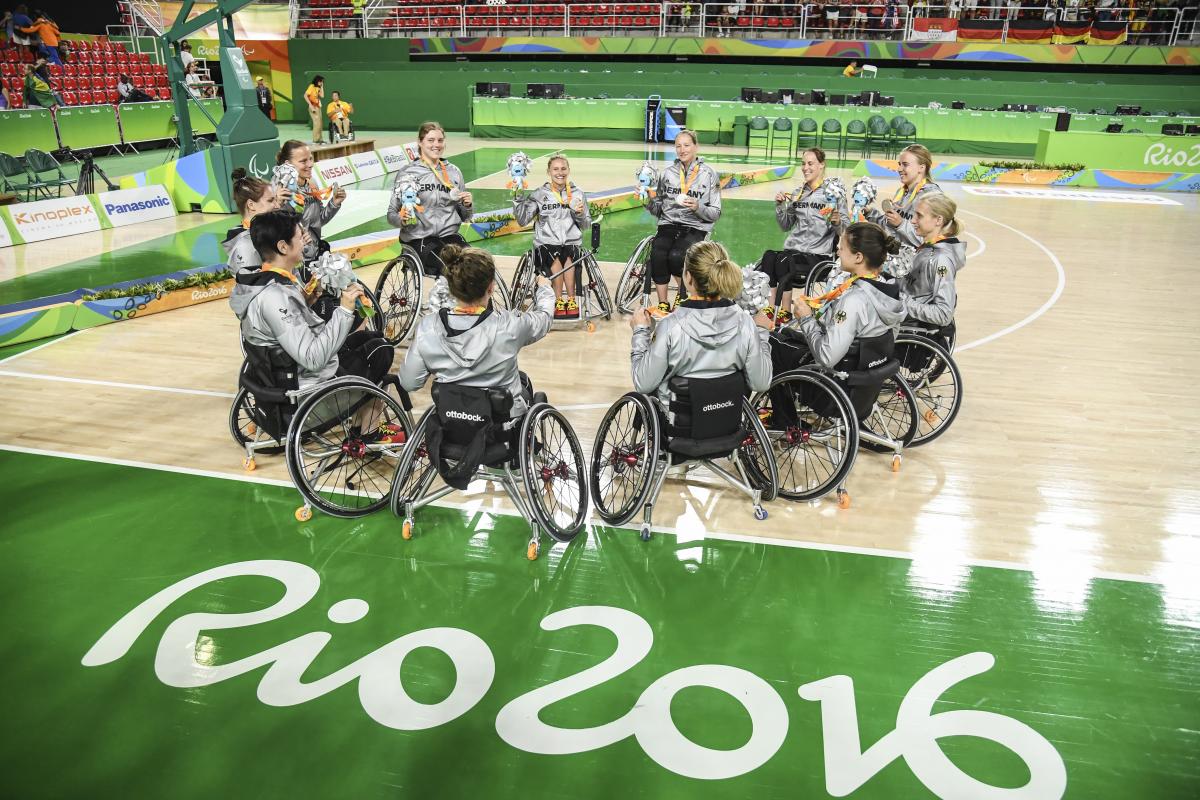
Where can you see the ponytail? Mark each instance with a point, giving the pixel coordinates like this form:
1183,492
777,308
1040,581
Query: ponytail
942,206
246,188
469,271
872,242
712,270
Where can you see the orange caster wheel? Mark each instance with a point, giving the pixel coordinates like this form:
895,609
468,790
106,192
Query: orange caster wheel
248,464
930,417
251,429
533,550
406,530
843,498
591,327
896,463
303,514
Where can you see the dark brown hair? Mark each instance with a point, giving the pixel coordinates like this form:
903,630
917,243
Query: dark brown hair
289,147
816,151
469,271
246,188
426,127
872,241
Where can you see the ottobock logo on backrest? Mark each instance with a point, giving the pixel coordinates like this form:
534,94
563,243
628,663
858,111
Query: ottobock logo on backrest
463,415
718,406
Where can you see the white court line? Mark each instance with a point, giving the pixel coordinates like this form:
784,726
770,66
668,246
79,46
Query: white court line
116,384
475,507
982,246
43,345
1046,306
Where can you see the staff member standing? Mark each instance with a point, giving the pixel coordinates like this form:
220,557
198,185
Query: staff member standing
263,94
313,95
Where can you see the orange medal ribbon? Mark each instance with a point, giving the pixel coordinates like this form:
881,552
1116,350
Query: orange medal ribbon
899,197
684,181
473,310
444,177
554,192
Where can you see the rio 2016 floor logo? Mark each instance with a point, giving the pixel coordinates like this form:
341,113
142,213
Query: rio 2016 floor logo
847,765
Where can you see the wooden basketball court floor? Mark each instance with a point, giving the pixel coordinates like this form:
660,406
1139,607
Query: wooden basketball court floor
1075,454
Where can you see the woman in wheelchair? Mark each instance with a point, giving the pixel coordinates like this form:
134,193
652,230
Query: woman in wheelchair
928,289
812,232
252,197
561,211
307,199
275,312
443,202
474,344
708,336
687,203
914,164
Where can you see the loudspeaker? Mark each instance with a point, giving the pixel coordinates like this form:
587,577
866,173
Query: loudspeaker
1114,127
886,100
819,98
1192,130
1063,121
751,94
501,89
787,95
837,99
802,98
1172,130
959,104
483,89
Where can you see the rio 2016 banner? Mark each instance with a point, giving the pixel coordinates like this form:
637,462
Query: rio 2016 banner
67,216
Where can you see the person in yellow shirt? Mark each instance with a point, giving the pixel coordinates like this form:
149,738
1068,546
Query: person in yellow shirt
313,95
339,112
852,70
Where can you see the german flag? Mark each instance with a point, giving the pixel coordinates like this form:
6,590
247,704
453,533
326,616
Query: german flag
980,30
1072,32
1108,33
1030,31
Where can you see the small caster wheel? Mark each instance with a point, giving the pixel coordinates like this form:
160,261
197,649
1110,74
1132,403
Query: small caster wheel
760,513
406,530
251,429
533,550
645,533
930,417
248,464
896,463
843,498
591,326
304,513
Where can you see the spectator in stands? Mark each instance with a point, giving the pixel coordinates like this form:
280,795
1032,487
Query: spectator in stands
358,24
265,101
37,91
339,112
46,30
17,20
42,70
185,55
130,93
313,95
5,102
851,70
191,80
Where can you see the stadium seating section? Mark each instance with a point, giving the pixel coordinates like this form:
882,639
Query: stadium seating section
90,76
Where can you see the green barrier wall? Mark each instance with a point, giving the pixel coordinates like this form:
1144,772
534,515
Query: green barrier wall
1120,151
145,122
88,126
26,128
200,123
389,91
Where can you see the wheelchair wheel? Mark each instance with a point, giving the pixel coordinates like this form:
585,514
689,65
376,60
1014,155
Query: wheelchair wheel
894,415
624,458
500,298
553,471
933,376
398,295
818,279
377,322
246,423
813,434
343,446
756,456
415,472
593,283
520,297
633,279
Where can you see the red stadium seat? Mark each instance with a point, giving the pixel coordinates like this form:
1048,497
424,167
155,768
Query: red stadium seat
70,99
85,97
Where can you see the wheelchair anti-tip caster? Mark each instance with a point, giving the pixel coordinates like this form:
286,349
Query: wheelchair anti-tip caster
406,530
591,326
931,417
645,533
896,463
533,549
248,464
760,513
304,513
252,429
843,498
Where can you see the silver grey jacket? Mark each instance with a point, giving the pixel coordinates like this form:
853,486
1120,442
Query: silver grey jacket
928,289
483,354
240,251
809,231
705,186
441,215
313,217
700,343
905,204
557,223
273,311
862,312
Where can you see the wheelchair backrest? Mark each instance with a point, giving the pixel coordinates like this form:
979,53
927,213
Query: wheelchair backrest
868,364
268,374
466,421
705,414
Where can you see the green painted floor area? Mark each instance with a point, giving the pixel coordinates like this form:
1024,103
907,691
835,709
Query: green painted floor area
437,691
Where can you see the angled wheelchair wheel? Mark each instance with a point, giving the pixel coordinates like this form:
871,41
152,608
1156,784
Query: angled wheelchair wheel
932,374
553,472
756,455
246,424
377,321
344,445
624,458
398,295
415,472
596,288
502,295
893,416
818,279
524,285
813,432
633,279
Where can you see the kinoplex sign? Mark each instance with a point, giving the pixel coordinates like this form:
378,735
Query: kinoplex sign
49,219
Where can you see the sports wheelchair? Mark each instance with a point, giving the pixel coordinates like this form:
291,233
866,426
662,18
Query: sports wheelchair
635,282
932,373
705,419
592,290
400,291
341,438
816,419
468,435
